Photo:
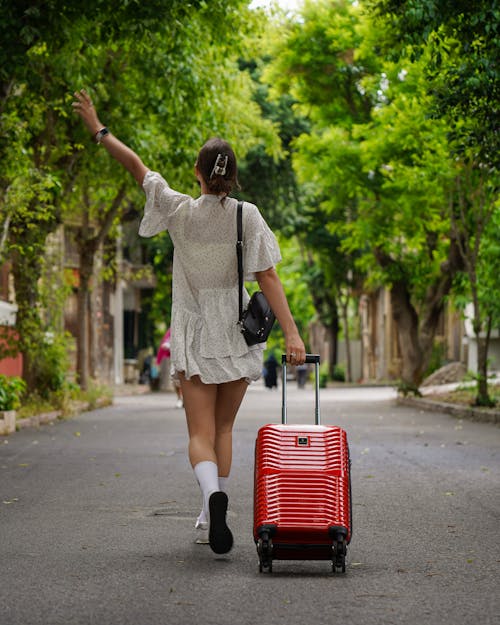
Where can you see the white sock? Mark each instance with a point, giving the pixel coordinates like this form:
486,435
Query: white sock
202,519
223,483
208,478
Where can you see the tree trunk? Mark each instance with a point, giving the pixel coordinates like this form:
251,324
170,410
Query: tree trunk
88,245
482,397
345,322
87,252
416,338
333,331
406,320
83,335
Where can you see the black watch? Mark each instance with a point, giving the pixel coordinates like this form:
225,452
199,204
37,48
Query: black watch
98,137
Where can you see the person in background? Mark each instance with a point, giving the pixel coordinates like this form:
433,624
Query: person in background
271,372
164,352
301,372
209,355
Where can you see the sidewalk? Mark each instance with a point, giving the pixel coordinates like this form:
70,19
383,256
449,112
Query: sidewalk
474,413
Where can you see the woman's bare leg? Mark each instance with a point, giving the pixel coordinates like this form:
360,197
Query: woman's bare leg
229,398
211,410
210,414
199,404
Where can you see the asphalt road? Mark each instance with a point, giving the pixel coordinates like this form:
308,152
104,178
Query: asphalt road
97,513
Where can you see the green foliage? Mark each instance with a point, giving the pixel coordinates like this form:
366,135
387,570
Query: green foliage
461,42
51,358
12,390
488,276
386,146
323,375
338,374
171,80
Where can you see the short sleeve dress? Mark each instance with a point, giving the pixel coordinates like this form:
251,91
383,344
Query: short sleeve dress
205,336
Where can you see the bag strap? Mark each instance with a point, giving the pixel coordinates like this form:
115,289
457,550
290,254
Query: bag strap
239,253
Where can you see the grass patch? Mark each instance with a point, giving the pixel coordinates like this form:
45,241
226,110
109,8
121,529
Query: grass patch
465,396
66,401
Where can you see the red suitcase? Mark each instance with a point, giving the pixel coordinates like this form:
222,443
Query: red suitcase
302,494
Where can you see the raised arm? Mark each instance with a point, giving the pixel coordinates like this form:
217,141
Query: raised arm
272,288
118,150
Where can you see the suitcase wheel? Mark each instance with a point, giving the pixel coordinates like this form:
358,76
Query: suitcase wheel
339,554
265,552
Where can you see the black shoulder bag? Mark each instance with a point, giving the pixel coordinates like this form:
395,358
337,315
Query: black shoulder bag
256,322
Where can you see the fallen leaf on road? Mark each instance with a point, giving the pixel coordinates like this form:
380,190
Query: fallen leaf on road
77,434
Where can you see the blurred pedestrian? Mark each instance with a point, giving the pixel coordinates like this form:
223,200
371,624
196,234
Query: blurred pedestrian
271,372
164,353
301,372
209,355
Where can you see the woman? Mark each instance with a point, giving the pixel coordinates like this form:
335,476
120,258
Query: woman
208,352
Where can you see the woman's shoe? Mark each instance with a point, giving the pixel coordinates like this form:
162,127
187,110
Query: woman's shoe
219,534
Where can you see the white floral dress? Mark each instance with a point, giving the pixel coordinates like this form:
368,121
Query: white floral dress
206,339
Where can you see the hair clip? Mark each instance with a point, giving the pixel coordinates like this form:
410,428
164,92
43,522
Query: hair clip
220,165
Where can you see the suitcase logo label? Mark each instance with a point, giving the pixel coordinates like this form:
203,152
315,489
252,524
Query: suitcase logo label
303,441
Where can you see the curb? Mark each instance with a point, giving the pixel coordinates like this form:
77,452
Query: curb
484,415
47,418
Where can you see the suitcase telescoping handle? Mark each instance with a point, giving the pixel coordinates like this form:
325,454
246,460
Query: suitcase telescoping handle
310,358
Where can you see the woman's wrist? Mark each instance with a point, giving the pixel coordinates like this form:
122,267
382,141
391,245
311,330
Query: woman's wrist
290,331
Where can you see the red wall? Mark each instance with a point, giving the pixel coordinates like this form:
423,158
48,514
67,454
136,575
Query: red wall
11,366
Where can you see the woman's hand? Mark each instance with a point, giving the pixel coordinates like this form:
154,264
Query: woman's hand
84,107
118,150
295,349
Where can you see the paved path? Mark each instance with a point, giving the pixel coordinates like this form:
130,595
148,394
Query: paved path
96,521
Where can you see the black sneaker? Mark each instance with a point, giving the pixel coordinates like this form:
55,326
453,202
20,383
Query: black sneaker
219,534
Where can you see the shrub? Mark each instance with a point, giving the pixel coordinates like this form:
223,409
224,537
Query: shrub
339,373
323,375
11,390
51,366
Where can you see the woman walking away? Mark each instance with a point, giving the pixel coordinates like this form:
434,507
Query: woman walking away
209,355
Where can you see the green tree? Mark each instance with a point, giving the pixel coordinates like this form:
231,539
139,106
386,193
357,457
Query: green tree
313,62
460,40
458,46
476,220
158,74
378,167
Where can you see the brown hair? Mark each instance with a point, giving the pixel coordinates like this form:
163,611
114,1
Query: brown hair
216,162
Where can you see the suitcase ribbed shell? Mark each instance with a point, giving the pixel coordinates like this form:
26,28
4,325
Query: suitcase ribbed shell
302,483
